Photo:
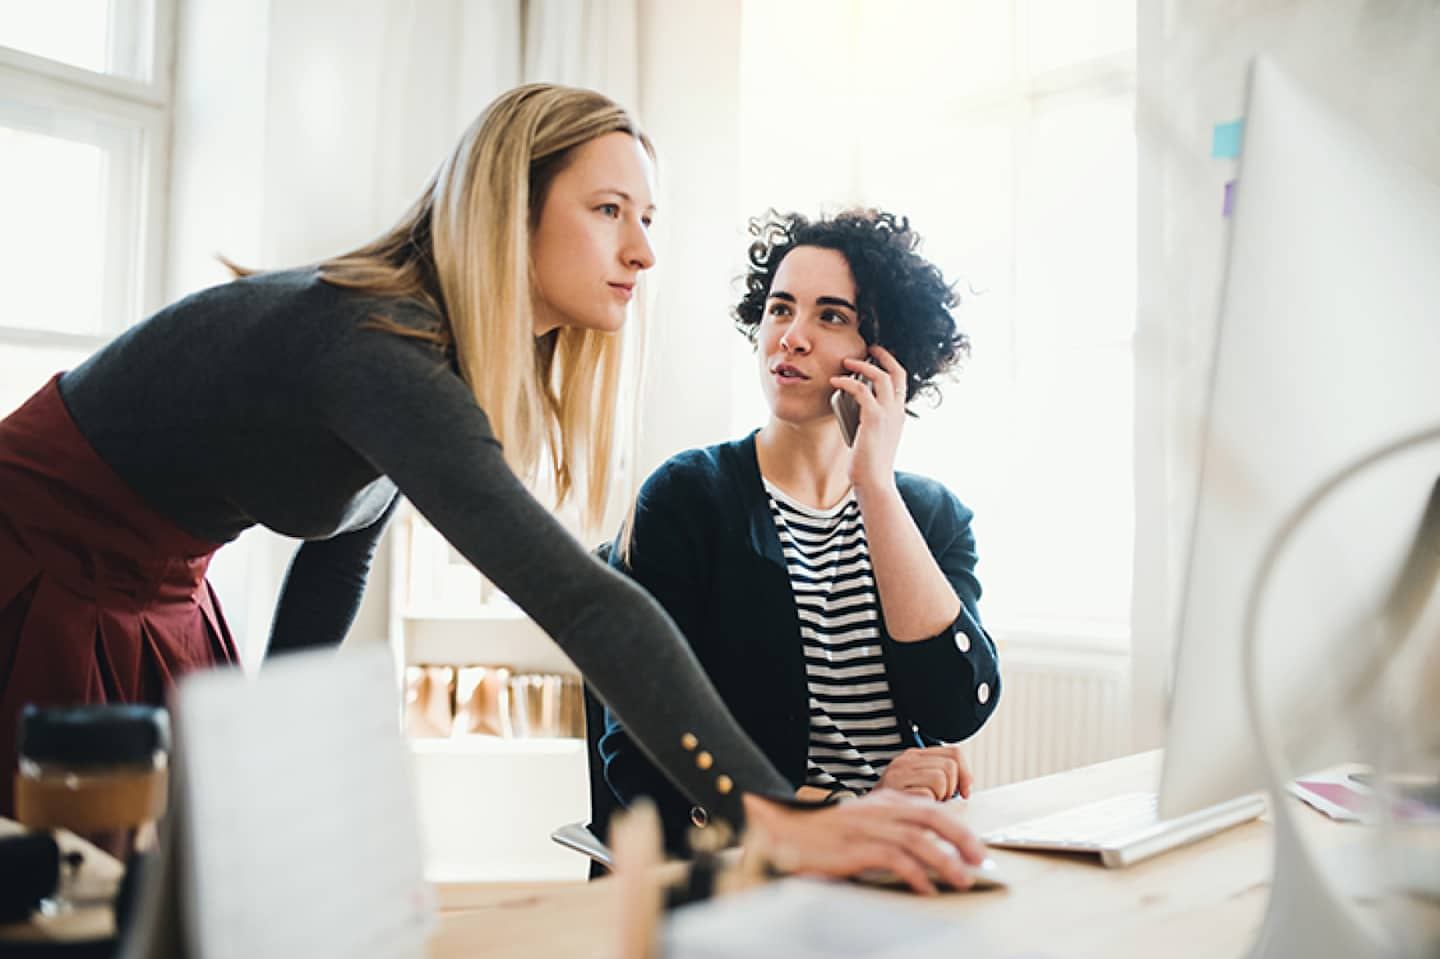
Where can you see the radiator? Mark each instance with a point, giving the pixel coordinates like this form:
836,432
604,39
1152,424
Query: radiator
1059,708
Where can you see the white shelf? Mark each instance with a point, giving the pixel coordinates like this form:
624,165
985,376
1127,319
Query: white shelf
481,746
487,807
461,638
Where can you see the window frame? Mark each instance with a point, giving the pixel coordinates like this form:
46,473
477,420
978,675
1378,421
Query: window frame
147,106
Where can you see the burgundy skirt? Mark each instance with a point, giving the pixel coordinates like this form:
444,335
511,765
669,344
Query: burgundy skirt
102,599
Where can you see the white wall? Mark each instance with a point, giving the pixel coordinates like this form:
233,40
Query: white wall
689,105
302,128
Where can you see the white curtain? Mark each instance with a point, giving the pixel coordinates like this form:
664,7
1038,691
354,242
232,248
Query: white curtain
595,44
585,43
1377,61
439,63
676,65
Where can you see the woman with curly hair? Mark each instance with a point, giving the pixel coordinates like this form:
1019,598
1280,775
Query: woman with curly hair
832,599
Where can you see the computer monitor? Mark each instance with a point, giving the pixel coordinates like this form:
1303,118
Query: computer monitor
1328,348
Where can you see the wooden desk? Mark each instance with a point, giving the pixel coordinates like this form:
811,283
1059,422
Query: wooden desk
1206,900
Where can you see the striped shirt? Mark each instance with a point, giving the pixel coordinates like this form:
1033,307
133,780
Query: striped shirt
854,732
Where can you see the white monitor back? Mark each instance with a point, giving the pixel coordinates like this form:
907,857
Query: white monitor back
1328,346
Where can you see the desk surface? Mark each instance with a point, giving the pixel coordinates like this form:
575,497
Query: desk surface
1203,900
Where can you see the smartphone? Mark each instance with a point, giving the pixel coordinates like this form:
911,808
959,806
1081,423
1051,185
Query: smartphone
847,411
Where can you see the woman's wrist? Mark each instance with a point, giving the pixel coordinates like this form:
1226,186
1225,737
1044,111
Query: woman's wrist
759,811
875,491
770,807
824,794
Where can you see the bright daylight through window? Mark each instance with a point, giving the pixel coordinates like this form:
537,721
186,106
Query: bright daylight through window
83,114
1012,149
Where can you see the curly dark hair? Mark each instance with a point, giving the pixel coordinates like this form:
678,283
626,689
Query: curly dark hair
898,291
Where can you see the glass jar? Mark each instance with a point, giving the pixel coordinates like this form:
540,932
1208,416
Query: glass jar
100,771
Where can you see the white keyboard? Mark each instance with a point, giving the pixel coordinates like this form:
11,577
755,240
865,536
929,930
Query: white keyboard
1124,829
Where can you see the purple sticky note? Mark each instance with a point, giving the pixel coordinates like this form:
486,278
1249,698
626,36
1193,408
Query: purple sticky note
1229,198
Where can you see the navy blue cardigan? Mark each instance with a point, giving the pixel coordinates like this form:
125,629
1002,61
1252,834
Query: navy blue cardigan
705,546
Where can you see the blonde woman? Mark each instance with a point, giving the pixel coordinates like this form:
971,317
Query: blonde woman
443,361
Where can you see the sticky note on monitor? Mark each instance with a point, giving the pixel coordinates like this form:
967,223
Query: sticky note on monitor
1226,138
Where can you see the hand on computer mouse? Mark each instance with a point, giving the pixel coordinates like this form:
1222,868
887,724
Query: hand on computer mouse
911,837
939,772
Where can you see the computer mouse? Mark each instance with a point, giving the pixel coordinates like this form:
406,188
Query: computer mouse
988,875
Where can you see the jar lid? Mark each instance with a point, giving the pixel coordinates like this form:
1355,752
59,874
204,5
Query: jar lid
99,733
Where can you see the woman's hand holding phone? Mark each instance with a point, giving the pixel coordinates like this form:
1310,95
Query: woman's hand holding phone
847,411
876,387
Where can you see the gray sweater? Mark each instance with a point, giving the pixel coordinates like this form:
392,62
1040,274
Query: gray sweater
268,401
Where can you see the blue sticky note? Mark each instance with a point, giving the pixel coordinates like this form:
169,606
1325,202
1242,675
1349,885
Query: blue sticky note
1225,139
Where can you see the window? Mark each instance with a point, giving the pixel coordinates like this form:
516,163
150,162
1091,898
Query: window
84,114
1005,131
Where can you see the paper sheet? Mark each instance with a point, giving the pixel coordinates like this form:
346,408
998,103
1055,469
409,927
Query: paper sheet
301,831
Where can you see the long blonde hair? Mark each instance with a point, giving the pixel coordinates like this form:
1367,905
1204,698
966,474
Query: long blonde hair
464,250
